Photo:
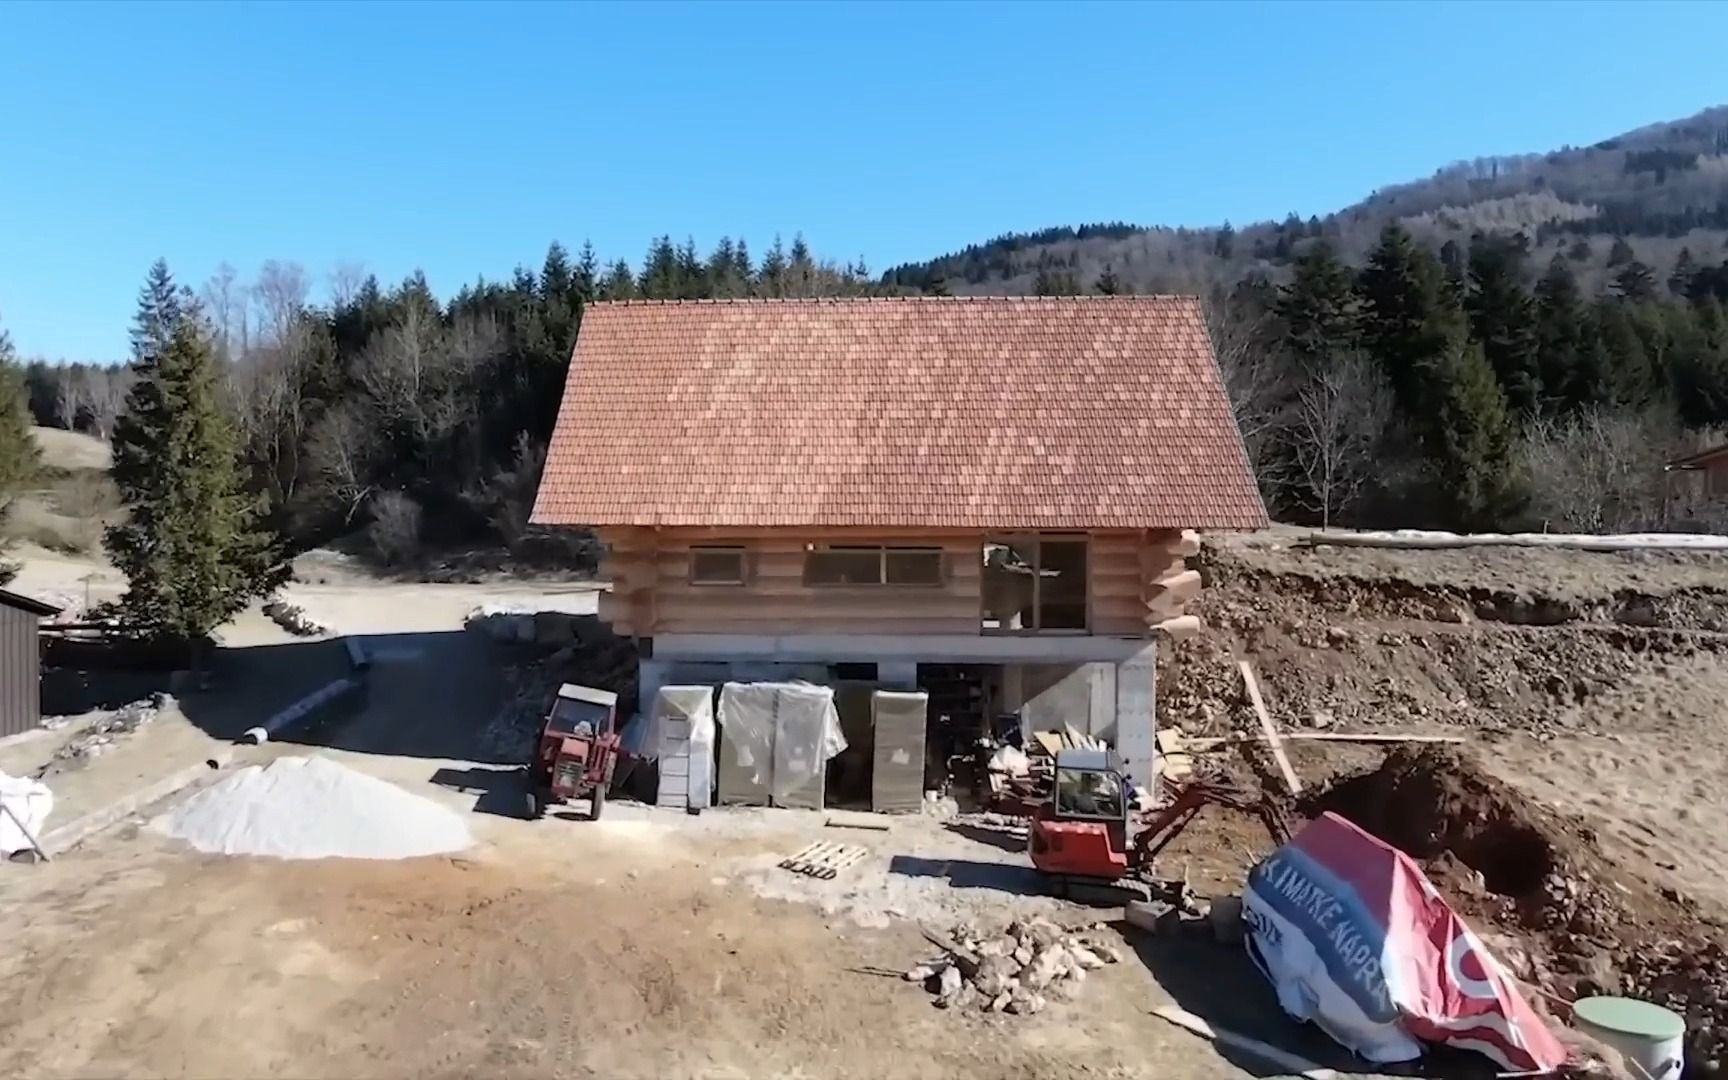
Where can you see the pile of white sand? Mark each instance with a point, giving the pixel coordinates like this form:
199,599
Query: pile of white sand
314,808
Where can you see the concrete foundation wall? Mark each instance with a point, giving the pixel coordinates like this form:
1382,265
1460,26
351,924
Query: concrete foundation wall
1049,696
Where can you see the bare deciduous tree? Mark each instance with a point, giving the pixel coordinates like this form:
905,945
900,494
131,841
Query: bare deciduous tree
224,300
340,452
71,396
1600,471
345,278
105,396
1337,423
1247,364
281,294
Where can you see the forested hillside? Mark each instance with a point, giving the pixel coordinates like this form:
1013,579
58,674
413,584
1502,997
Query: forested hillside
1515,342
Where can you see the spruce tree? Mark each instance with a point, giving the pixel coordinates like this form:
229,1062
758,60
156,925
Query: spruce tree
1409,321
1319,307
1503,318
1680,280
20,458
192,546
937,284
1621,253
587,277
1108,284
1470,441
1636,282
1559,337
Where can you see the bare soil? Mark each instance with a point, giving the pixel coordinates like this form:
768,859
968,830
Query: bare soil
1585,825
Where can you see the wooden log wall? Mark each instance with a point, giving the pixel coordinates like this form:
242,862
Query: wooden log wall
1140,584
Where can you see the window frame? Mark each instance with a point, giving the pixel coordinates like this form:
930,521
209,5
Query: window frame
882,552
739,550
1035,540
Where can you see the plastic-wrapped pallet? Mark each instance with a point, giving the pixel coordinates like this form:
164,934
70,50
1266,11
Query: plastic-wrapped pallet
746,743
776,740
684,727
897,777
806,735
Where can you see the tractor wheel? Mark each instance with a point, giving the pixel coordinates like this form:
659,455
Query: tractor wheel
535,805
597,802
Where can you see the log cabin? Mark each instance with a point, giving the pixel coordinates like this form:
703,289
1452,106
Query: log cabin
990,498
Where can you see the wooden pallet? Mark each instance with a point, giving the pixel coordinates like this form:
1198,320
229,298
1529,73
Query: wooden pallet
824,860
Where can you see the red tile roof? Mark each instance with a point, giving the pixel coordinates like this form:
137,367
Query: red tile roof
1049,412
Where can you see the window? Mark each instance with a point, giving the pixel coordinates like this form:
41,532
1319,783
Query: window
717,566
1034,584
857,565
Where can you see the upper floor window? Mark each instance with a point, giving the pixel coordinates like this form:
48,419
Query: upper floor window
847,564
717,566
1034,584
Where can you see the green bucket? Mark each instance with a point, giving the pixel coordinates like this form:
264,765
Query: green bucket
1650,1036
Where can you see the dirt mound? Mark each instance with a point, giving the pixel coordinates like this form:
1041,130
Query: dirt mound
1391,651
1578,924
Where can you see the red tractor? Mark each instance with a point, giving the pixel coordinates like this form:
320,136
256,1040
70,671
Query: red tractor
1086,834
577,753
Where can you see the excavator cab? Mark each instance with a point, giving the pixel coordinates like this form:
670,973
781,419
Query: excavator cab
1083,830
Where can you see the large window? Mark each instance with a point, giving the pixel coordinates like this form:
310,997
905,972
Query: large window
1034,584
871,565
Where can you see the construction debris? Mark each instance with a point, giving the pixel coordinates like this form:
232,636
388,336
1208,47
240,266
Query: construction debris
824,860
101,734
1016,971
293,618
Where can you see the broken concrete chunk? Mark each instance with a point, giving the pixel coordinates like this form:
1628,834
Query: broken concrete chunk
1000,1001
950,980
1144,914
1023,955
1086,958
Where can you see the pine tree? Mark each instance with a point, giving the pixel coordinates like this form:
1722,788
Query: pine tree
722,276
692,273
587,278
1622,353
619,283
1107,284
1452,263
192,546
1470,441
1224,243
1560,340
773,276
1319,307
159,310
742,267
1621,253
20,459
556,279
1635,282
1680,281
1409,320
1503,318
937,284
659,280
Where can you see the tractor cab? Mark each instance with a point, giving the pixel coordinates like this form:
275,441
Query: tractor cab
1083,830
578,750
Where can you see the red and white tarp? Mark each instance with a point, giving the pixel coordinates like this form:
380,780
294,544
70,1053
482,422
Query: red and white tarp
1356,939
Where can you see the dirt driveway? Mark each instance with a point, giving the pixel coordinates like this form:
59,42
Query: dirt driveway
553,949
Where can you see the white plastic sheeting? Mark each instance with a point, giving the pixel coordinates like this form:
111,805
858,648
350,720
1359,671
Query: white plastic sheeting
897,769
30,802
778,738
683,727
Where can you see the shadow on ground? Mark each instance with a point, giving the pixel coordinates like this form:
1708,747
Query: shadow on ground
1221,985
971,874
1008,838
500,790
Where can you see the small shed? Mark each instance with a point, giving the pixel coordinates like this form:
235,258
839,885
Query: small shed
21,661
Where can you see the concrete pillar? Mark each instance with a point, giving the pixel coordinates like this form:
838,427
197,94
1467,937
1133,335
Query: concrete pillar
897,674
1137,715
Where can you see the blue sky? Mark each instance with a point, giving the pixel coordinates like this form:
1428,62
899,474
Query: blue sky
460,139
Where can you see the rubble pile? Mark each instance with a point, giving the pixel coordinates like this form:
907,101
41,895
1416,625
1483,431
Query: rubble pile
293,618
1016,971
586,652
100,735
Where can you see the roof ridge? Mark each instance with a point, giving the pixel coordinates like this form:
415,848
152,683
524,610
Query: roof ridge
970,299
